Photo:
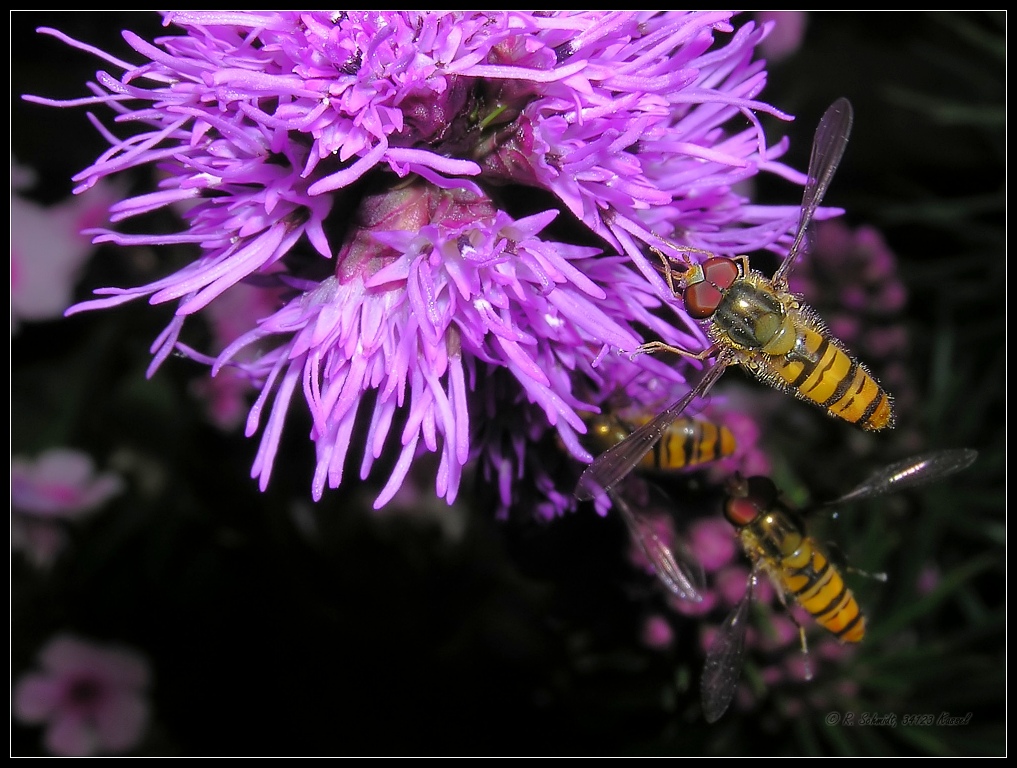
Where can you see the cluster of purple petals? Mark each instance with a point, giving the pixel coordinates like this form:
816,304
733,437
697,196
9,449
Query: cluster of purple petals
350,161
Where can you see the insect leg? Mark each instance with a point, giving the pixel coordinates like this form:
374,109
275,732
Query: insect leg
659,346
805,646
836,554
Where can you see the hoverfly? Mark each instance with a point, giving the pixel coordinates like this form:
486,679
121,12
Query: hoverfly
773,536
686,443
757,323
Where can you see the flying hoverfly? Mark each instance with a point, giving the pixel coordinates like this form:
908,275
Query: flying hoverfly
773,536
686,443
757,323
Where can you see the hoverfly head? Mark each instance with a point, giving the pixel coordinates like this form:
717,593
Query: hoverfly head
748,498
705,284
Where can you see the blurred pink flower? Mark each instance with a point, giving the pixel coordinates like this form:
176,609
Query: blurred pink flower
657,633
713,542
41,541
47,249
782,633
785,36
60,485
800,668
92,699
226,394
694,610
750,457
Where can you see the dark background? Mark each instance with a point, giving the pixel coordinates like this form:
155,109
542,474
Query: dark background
279,627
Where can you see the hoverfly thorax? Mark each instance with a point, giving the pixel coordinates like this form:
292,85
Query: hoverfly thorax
765,524
780,535
754,318
606,430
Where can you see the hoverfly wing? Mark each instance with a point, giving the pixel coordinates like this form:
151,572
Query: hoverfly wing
723,666
687,575
675,567
910,472
620,459
827,150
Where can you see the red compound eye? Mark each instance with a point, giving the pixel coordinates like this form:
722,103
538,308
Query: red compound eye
748,498
702,300
704,296
740,512
720,271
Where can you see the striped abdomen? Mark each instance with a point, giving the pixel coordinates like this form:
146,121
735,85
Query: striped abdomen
687,443
820,371
809,577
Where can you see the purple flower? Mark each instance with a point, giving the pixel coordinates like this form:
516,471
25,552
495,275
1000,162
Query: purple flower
711,540
226,394
788,32
48,251
360,165
657,633
91,698
60,485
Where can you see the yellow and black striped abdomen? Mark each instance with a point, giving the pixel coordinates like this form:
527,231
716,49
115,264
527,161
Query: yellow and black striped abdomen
686,444
821,371
817,586
690,443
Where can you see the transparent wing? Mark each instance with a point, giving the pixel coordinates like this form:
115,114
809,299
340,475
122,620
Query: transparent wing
724,660
620,459
907,473
674,566
827,150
